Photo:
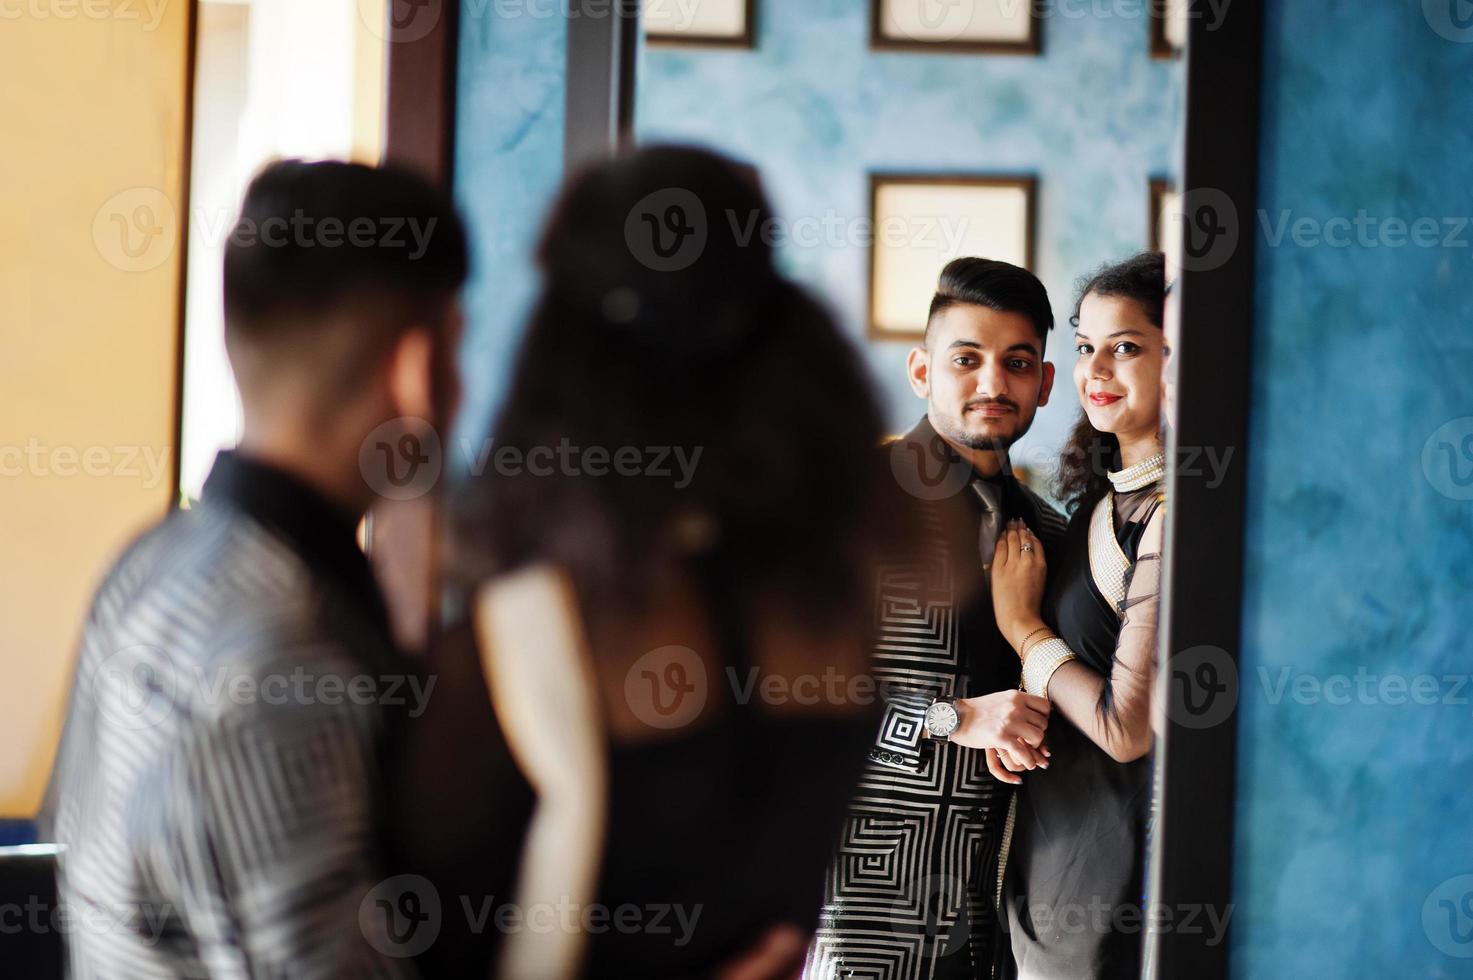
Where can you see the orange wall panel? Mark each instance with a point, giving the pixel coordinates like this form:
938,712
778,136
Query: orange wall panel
93,116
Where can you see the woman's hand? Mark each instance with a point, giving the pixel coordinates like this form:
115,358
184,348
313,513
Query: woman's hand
1018,575
1004,765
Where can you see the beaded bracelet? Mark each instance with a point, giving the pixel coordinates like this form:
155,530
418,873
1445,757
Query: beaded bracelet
1038,669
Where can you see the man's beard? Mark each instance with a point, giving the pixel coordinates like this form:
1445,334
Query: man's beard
956,432
996,444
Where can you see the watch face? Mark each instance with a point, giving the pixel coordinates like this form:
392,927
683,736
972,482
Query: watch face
941,719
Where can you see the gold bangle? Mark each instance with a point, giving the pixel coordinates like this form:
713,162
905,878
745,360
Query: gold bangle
1023,647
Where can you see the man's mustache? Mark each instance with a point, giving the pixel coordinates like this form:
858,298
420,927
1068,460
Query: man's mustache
1008,402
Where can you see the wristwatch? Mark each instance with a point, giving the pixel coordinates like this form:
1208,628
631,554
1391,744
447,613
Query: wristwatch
942,719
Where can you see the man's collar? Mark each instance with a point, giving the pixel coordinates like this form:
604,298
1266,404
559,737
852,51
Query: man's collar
322,533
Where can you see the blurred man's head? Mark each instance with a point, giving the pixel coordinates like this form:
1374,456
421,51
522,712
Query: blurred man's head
342,307
981,369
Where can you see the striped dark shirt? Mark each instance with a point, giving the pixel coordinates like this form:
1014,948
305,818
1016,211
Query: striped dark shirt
216,786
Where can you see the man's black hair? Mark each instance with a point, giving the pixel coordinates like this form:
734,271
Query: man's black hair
314,235
996,285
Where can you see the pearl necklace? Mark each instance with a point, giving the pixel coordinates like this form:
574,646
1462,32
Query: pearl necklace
1142,474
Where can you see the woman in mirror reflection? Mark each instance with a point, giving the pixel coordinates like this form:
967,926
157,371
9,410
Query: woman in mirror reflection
1085,630
629,621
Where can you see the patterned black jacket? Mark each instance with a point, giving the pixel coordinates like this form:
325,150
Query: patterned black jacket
912,890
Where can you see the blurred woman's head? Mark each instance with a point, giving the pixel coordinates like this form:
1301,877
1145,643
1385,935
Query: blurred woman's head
1118,337
687,408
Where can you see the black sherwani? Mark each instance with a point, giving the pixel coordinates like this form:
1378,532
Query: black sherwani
913,887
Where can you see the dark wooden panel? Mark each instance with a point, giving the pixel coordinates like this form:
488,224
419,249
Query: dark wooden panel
404,537
420,118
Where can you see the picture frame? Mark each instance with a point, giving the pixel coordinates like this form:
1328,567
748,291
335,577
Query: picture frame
938,27
1163,223
714,24
920,221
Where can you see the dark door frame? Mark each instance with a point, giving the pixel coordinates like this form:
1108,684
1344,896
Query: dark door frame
419,133
1191,862
419,119
404,538
598,117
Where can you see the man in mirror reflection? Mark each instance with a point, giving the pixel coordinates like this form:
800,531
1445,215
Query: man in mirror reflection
914,886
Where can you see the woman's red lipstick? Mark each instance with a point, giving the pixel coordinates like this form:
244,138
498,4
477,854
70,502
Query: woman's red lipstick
1102,398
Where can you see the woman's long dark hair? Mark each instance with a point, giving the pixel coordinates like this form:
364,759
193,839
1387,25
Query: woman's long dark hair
1089,454
662,325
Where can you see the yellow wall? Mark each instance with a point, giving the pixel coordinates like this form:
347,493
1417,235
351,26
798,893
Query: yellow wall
369,68
92,118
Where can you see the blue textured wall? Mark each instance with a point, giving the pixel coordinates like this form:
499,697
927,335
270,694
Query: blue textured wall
1092,118
815,109
508,164
1354,818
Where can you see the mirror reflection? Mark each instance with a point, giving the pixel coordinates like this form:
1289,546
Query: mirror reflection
994,227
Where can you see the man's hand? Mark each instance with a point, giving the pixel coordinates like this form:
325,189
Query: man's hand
1008,720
